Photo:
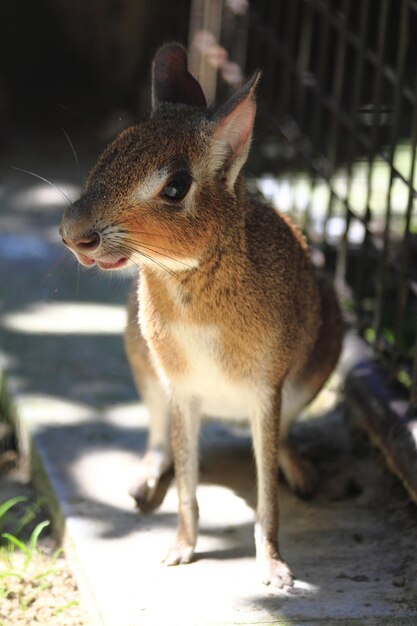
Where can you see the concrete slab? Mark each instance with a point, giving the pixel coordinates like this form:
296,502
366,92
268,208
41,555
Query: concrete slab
383,410
352,547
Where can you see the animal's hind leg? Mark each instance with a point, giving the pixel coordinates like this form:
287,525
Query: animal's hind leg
298,472
158,458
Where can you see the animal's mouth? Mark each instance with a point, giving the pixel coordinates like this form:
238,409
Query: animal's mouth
103,265
122,262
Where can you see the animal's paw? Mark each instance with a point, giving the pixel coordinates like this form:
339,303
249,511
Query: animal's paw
152,467
277,574
180,553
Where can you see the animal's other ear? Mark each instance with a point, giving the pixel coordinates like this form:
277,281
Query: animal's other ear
233,125
171,80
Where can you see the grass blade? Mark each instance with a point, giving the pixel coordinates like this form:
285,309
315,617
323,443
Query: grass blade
33,540
68,605
48,572
16,542
9,503
57,554
9,574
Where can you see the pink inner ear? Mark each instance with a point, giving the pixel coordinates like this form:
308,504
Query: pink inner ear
236,128
245,134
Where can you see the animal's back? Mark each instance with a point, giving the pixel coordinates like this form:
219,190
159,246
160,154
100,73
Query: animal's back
281,259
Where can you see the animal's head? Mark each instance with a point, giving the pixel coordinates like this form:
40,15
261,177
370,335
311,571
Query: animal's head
165,190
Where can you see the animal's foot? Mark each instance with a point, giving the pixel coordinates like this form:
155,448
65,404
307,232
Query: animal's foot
300,474
152,467
180,553
277,574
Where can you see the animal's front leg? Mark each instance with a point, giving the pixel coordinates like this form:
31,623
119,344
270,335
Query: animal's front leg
157,459
265,431
185,429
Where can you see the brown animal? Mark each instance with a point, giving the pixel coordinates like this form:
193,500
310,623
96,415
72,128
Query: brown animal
230,319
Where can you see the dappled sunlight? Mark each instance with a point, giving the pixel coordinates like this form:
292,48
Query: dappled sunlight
104,475
335,229
217,498
45,197
277,191
295,193
37,409
291,194
305,587
224,563
126,414
62,318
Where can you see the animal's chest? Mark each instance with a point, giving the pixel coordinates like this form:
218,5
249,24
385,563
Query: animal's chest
204,376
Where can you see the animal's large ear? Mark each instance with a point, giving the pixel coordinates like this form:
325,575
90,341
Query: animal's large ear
171,80
233,125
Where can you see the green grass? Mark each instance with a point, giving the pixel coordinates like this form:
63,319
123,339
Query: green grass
22,571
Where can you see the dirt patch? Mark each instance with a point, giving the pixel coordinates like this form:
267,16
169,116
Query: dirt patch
36,583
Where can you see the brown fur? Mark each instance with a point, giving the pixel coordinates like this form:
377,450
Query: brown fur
233,271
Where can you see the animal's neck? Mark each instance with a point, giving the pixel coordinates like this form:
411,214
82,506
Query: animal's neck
203,292
198,294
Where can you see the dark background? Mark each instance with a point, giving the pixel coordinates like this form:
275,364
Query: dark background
85,64
80,61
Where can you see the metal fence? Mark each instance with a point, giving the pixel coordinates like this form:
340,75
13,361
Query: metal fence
336,143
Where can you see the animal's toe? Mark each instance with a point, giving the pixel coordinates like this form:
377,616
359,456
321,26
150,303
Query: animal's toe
278,575
179,554
153,468
143,490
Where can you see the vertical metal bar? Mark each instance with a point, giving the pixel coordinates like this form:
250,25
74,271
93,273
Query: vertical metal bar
376,122
413,395
317,114
240,47
233,41
341,261
257,55
323,59
290,30
206,19
303,73
272,70
334,135
266,20
383,269
303,61
300,54
403,286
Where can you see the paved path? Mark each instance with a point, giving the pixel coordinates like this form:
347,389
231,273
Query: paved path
352,547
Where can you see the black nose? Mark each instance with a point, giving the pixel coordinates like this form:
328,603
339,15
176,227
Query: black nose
88,243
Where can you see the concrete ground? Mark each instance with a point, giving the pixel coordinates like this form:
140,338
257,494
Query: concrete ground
352,547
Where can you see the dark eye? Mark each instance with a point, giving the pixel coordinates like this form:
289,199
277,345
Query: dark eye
177,188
